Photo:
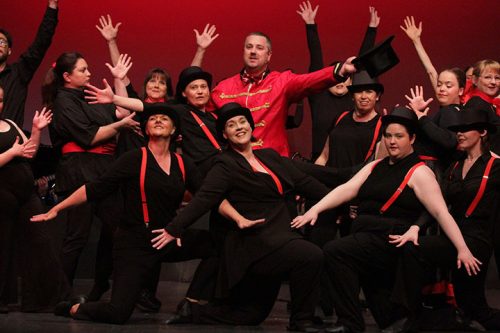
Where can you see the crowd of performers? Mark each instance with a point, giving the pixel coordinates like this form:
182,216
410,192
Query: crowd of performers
408,191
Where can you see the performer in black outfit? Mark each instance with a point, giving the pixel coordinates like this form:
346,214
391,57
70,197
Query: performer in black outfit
259,253
392,193
18,200
471,197
154,180
327,106
15,78
86,135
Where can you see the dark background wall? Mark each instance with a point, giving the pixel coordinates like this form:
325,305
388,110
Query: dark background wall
159,33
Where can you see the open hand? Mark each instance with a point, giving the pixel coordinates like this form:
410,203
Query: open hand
107,30
163,239
307,13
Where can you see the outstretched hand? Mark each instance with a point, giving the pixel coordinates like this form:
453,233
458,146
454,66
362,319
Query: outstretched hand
205,39
107,30
163,239
246,223
410,28
417,102
42,119
120,70
95,95
411,235
470,263
50,215
309,217
307,13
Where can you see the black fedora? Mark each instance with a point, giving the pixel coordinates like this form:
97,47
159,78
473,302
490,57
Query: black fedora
362,81
377,60
403,116
151,109
472,119
230,110
187,76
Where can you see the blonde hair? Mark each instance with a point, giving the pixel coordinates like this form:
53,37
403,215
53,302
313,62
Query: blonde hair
481,65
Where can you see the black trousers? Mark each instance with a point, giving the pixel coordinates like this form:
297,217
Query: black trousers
438,251
364,260
43,281
252,299
78,227
134,260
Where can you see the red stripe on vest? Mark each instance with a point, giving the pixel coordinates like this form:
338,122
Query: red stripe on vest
206,130
400,188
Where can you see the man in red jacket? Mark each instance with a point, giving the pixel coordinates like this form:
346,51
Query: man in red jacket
268,94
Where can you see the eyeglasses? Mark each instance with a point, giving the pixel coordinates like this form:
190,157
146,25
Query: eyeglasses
3,42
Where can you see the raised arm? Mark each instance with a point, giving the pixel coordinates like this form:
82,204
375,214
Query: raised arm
203,41
308,14
371,31
110,34
119,72
427,190
40,120
414,33
335,198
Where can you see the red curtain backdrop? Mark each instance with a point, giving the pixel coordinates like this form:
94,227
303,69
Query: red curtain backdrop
160,33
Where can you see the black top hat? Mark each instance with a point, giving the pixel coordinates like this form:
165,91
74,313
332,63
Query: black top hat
403,116
472,119
187,76
379,59
229,111
362,81
151,109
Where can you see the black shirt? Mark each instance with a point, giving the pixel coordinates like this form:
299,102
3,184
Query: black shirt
16,77
460,193
164,192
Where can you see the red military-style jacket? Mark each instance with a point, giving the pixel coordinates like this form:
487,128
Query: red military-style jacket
269,99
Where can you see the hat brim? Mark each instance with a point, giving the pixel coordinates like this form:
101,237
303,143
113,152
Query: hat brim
378,87
186,80
158,108
222,119
379,59
392,119
473,127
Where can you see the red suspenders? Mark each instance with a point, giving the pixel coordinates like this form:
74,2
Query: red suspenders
482,186
206,130
144,161
400,188
273,176
375,134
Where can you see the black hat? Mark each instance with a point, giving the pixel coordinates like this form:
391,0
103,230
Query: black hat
230,110
151,109
187,76
472,119
403,116
377,60
362,81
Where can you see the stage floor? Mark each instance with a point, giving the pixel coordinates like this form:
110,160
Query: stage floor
170,293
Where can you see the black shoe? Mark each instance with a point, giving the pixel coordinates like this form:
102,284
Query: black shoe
304,326
338,329
63,308
184,314
97,291
147,302
4,308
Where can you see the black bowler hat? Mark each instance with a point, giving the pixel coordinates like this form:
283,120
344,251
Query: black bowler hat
230,110
473,119
403,116
187,76
377,60
362,81
151,109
